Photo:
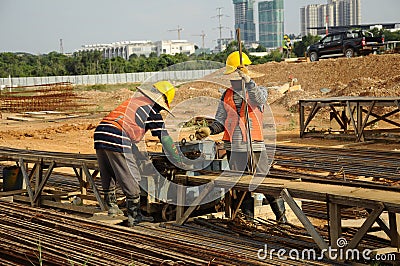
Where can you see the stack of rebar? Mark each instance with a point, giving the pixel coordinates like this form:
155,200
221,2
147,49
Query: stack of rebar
34,236
45,97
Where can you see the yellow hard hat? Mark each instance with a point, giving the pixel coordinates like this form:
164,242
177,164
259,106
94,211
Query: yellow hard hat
288,39
285,37
233,62
167,89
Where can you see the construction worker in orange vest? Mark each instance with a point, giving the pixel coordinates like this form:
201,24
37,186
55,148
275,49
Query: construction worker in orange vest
229,119
115,140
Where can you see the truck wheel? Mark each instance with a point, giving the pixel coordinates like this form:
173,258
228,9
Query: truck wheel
349,53
313,56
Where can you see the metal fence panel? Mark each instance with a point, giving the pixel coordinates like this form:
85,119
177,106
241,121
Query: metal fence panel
186,75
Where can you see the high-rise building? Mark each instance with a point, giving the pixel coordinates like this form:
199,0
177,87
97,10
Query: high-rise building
271,23
310,19
244,20
335,13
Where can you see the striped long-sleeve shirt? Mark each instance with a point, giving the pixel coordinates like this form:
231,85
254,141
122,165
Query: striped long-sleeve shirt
258,96
111,137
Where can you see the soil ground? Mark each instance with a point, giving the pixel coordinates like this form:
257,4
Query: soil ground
374,75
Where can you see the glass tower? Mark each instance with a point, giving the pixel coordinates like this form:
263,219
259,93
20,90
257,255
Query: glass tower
244,19
271,23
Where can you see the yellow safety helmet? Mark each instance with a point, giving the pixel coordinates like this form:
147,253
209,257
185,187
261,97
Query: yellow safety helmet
233,62
167,89
285,37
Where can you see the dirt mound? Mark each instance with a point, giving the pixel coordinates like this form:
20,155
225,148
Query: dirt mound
371,88
197,89
374,75
104,100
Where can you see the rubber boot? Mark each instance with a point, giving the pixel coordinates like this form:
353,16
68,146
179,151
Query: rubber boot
111,203
278,207
134,214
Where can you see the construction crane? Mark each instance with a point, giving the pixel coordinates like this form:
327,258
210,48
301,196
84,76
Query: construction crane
203,35
178,29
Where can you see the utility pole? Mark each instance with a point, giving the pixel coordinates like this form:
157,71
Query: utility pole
203,35
326,24
179,29
61,46
220,27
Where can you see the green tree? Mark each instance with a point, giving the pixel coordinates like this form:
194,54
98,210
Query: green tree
300,48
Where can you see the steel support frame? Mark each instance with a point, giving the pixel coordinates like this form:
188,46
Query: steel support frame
335,227
354,109
35,175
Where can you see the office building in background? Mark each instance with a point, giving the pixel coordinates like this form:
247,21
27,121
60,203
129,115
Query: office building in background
271,23
334,13
244,19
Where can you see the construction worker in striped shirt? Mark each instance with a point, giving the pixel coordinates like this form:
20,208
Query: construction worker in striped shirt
228,119
115,141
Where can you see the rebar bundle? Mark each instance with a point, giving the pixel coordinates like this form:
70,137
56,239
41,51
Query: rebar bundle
45,97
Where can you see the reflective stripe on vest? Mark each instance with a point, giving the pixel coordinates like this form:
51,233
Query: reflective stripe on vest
232,119
124,117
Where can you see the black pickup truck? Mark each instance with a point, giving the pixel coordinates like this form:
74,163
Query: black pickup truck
347,43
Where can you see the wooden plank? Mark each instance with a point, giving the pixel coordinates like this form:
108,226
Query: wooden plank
12,192
366,120
335,223
366,226
385,228
337,117
383,118
394,224
196,203
239,205
301,118
351,114
313,112
43,183
59,205
228,203
62,161
94,187
27,181
304,220
343,195
181,198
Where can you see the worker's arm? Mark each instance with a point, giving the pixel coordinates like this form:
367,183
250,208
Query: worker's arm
258,95
170,149
220,116
149,118
217,126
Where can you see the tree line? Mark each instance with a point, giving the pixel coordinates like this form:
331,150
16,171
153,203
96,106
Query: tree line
92,62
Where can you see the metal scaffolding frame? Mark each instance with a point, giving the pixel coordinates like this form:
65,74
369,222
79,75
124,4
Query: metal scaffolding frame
353,114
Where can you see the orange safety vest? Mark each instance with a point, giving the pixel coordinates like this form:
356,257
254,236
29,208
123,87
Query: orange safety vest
233,119
124,117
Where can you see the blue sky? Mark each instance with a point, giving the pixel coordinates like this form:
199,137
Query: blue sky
36,26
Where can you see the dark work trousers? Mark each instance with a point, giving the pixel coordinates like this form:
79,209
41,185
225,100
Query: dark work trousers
238,161
121,168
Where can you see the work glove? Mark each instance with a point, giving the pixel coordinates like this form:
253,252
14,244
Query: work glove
243,73
202,133
171,150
